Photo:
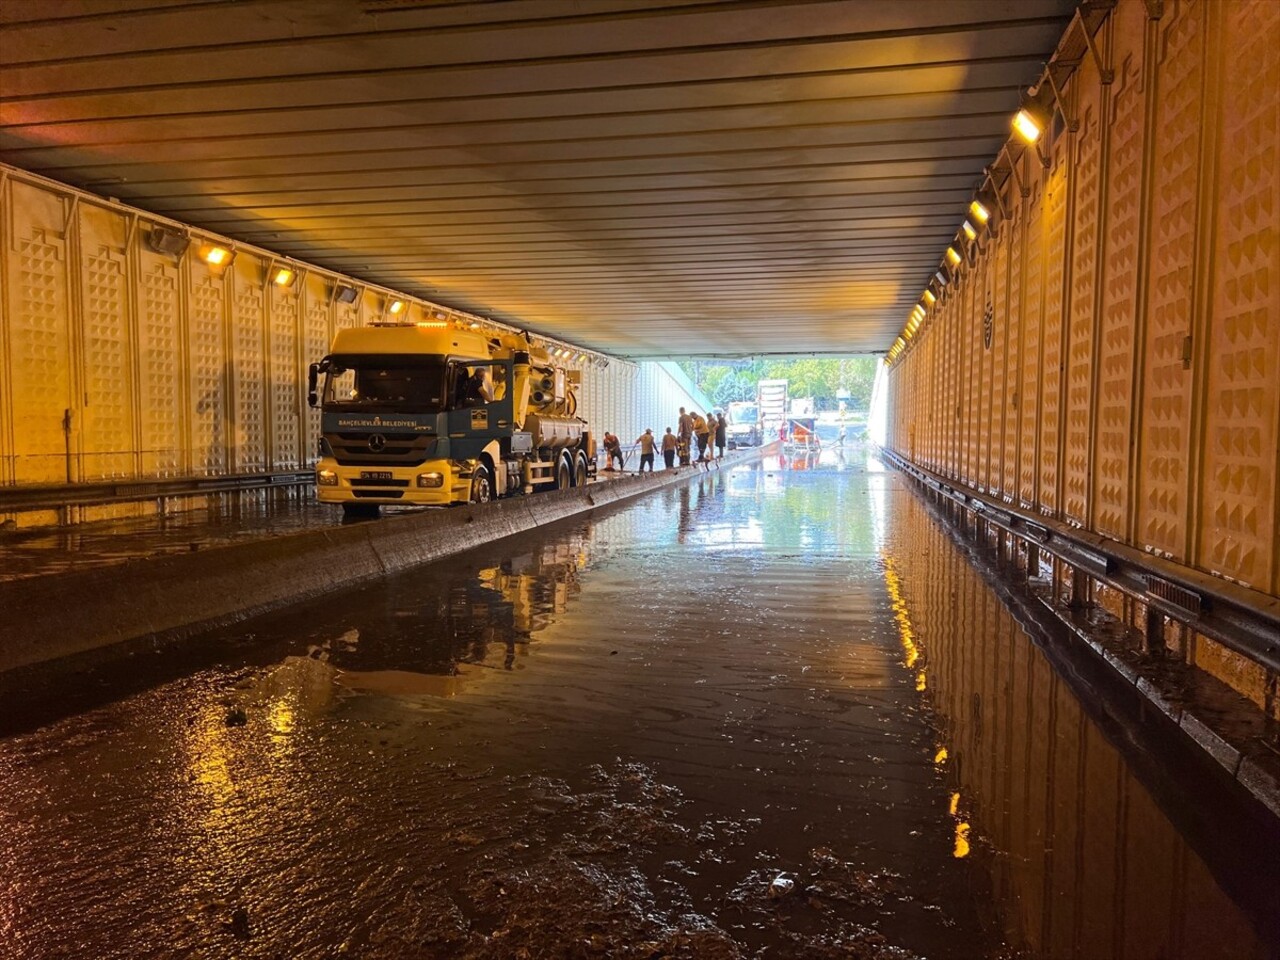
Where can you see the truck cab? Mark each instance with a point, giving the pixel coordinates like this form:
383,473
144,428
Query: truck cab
744,424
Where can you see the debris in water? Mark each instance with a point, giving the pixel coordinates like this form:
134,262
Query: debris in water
782,886
236,717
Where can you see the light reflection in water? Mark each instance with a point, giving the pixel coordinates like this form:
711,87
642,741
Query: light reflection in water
1089,864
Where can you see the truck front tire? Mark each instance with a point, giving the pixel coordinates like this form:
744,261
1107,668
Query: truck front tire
481,485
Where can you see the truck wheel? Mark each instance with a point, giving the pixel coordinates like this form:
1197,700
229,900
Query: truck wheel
481,486
580,470
564,474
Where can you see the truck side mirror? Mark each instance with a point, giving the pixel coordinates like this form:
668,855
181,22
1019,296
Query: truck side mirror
313,377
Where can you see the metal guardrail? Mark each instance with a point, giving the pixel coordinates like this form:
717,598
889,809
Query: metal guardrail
1240,618
56,496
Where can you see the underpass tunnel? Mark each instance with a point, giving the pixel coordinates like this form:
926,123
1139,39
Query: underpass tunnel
1054,558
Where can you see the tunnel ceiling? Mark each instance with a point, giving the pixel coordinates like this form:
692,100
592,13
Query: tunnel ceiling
646,177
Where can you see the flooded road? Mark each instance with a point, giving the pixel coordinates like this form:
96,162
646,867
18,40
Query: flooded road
770,713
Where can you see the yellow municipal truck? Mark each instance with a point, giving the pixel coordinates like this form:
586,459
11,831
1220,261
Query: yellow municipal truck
413,414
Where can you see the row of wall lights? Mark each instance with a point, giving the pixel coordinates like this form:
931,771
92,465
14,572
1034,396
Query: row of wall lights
1028,125
174,242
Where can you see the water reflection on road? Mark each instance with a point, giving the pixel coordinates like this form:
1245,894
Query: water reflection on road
771,712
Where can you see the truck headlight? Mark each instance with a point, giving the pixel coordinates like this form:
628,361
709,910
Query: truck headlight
326,478
431,479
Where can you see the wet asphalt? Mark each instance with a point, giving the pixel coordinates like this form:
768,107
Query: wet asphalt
773,712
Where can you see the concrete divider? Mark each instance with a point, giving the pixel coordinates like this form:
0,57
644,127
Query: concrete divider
172,597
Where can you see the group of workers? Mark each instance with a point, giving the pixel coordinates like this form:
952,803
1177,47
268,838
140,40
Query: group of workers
709,432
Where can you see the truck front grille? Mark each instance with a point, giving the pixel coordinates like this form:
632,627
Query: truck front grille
398,449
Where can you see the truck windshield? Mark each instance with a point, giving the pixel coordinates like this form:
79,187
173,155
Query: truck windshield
394,383
746,413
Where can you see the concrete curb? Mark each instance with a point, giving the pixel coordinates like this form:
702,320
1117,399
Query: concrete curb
176,596
1243,756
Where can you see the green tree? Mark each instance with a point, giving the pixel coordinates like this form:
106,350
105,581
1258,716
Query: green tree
821,378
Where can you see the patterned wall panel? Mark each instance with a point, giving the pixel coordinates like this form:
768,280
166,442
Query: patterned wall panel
249,382
1115,348
107,376
1055,229
39,330
161,361
208,366
971,350
995,343
1164,442
959,387
931,404
1238,499
6,417
316,337
1012,363
984,302
981,380
284,367
1032,271
1080,338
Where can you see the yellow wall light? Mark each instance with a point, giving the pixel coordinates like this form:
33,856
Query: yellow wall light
953,258
216,255
395,306
969,232
284,276
1027,127
929,298
980,213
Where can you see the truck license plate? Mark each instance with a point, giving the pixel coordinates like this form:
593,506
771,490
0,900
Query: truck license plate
375,474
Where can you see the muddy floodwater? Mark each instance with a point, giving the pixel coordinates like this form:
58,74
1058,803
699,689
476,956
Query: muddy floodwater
775,712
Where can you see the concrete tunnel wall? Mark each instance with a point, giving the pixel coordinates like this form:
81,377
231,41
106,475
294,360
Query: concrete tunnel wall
1109,356
119,363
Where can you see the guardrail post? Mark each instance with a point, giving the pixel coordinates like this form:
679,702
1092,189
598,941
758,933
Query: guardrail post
1079,588
1033,561
1153,632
